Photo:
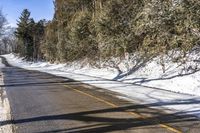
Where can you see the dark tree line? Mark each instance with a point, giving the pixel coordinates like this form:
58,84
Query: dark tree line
30,35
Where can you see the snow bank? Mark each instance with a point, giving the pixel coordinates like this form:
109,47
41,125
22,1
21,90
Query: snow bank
183,78
177,78
150,75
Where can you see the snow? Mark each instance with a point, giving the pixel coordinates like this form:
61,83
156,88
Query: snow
4,106
177,90
177,78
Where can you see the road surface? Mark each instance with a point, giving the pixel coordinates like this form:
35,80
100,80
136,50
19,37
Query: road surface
42,103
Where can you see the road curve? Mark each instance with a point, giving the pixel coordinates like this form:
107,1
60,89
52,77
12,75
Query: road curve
42,103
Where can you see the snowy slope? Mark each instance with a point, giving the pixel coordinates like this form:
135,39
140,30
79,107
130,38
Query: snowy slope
177,78
176,102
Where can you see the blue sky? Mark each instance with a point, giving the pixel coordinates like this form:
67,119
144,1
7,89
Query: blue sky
40,9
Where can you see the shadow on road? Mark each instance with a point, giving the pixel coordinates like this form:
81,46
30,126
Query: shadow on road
105,124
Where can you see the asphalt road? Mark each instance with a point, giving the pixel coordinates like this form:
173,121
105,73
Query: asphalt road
42,103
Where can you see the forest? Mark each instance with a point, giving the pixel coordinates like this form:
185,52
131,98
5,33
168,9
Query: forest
100,30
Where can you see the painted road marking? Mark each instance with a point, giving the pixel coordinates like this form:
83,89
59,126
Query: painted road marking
130,112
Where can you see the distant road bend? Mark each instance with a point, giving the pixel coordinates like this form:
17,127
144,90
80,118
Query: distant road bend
42,103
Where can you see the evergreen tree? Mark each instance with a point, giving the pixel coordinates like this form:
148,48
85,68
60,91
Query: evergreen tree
23,34
30,35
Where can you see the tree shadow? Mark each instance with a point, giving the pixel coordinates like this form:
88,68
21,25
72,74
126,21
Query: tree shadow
140,62
144,80
108,124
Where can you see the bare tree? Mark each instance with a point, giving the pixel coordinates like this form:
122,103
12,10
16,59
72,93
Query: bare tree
2,22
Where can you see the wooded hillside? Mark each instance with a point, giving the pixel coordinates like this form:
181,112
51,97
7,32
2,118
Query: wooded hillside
102,29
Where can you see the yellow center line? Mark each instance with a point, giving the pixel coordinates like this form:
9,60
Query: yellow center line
116,106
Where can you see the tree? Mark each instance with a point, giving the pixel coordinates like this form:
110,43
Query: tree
116,28
9,40
38,37
30,35
23,34
3,22
48,46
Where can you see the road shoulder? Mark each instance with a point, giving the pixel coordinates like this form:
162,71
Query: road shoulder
4,108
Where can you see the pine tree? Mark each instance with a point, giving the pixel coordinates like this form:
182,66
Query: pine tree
23,34
30,35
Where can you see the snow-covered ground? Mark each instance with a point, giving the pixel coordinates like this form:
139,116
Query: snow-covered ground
4,106
183,79
186,101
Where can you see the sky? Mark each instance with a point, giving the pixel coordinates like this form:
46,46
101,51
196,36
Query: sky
40,9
